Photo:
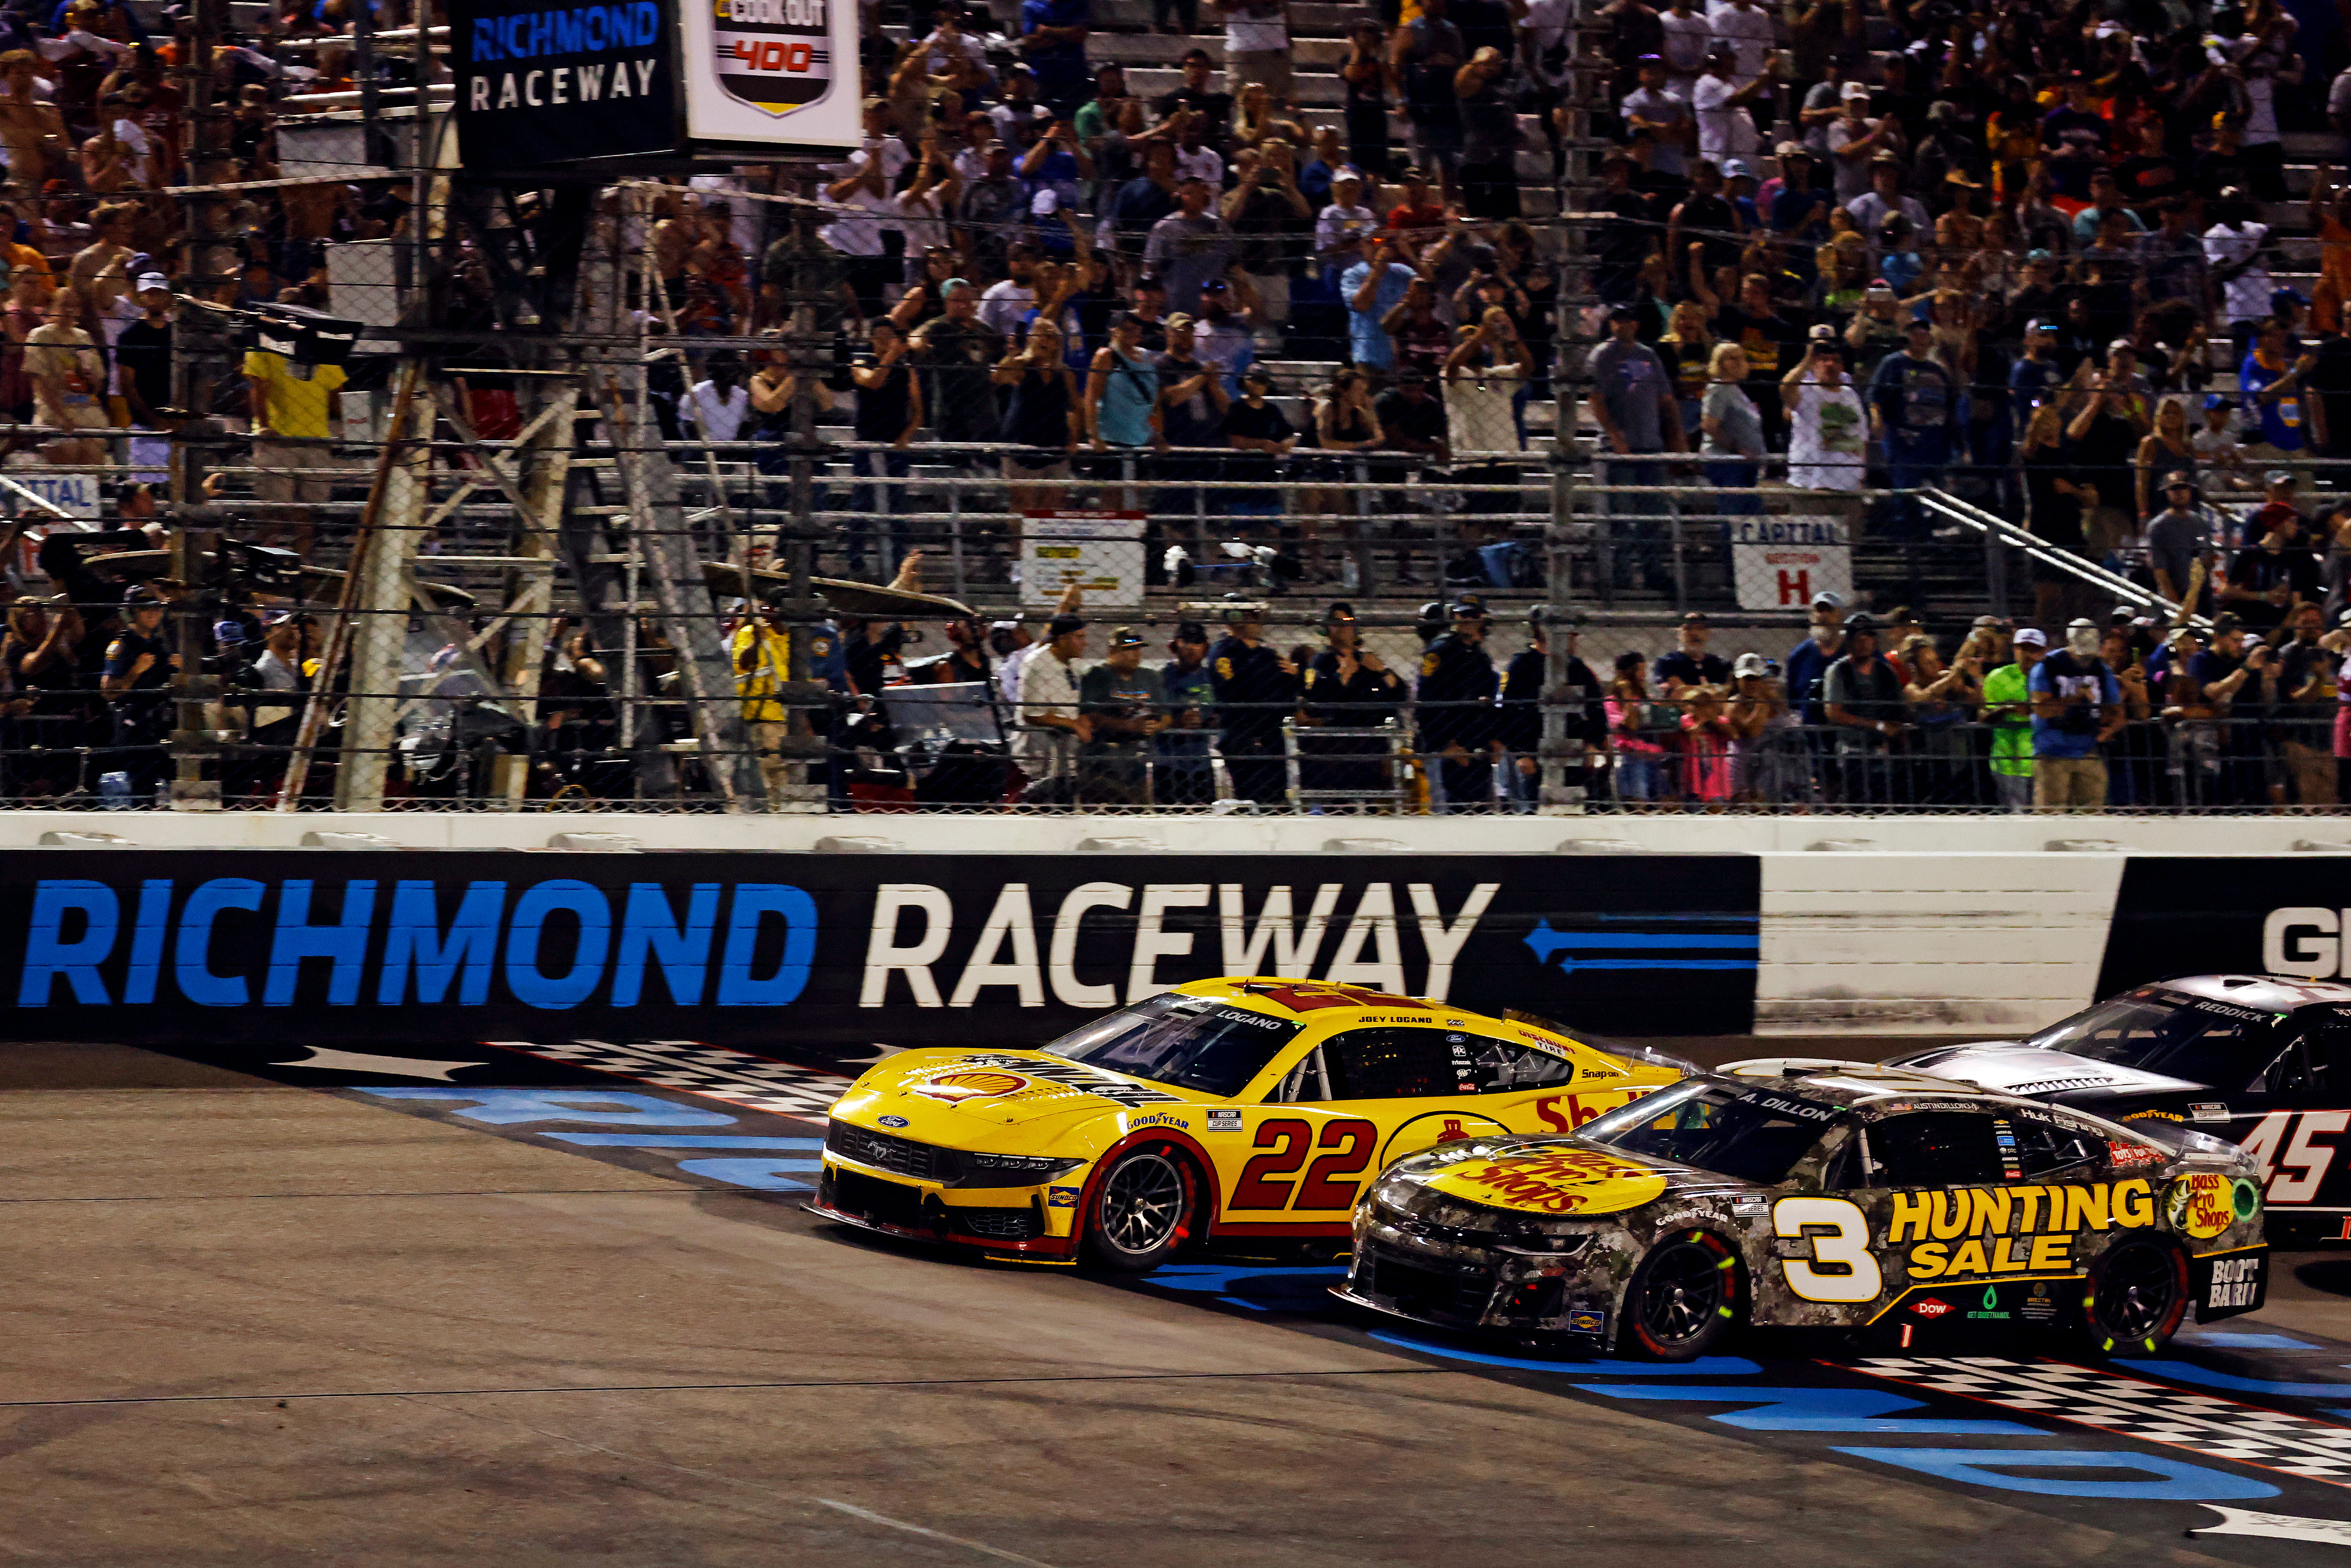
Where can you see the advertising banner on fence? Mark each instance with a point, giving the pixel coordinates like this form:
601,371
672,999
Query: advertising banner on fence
2180,915
1101,552
546,81
436,950
772,71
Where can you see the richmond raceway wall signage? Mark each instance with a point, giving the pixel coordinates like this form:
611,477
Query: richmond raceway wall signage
542,81
751,949
2178,914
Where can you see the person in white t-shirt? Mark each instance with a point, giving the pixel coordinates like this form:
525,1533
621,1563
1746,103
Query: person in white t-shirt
2236,247
1257,45
1725,127
718,406
1005,303
1688,36
1049,700
1749,27
1828,429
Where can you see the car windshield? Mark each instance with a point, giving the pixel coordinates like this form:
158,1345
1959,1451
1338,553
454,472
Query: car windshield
1196,1042
2202,1044
1754,1135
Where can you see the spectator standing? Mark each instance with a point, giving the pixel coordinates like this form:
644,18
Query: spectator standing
1183,772
1053,722
1766,756
1120,702
2218,680
1342,227
2305,714
1827,424
1454,704
1269,218
1733,429
1632,400
292,406
762,655
1372,87
1257,45
1914,408
889,413
1688,664
960,352
1190,245
2272,379
2077,710
1518,731
1054,41
2007,698
1809,659
2179,540
1347,688
1255,690
861,190
1429,53
1122,394
1639,734
717,406
1372,287
140,666
1662,126
1862,698
2267,581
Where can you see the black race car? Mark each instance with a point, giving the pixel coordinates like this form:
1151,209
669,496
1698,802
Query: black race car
2260,1061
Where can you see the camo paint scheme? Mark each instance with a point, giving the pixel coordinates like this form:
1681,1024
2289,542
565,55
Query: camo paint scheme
1543,1235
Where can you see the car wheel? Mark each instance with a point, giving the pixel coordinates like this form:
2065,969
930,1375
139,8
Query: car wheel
1142,1210
1684,1299
2134,1297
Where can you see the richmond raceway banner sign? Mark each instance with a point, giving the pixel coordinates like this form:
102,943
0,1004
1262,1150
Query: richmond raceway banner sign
543,83
267,947
2180,915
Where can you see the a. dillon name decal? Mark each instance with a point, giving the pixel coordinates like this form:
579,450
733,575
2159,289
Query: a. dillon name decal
235,942
2021,1230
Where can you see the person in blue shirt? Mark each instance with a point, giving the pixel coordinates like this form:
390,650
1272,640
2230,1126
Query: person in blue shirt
2271,380
2077,707
1372,288
1809,659
1053,42
2036,377
1914,408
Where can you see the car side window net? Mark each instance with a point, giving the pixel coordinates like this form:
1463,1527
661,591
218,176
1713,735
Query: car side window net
1936,1148
1399,1063
2044,1148
1503,1066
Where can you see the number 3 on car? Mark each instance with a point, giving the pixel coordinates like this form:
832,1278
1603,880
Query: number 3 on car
1841,1268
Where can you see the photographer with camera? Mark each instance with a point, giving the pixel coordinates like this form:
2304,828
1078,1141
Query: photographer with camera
2078,707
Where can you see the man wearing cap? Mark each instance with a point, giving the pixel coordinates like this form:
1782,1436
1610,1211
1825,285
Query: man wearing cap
1862,698
2077,708
2236,678
261,697
2178,537
1799,210
1632,400
142,354
2267,580
2172,257
1050,712
1372,287
1340,229
1659,121
1688,664
2281,508
1256,689
1454,706
2034,378
1808,660
1853,140
2007,697
1120,700
1183,772
1718,103
2272,379
137,685
1346,687
1519,729
2306,706
1914,410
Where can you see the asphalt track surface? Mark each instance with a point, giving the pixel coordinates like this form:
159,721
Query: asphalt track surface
492,1309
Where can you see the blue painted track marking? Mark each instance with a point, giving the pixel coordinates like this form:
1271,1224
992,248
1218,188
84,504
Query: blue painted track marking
2205,1377
2178,1480
1704,1367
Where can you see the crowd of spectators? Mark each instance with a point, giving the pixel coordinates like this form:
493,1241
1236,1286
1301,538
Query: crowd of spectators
2037,256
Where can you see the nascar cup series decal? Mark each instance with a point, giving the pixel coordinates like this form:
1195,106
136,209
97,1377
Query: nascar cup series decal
774,55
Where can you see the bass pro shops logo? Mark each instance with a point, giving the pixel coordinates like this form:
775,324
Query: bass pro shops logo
774,55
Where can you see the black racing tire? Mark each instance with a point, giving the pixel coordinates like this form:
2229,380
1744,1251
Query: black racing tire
2134,1297
1142,1210
1686,1299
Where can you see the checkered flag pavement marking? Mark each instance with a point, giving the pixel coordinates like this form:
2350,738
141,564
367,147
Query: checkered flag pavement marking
2134,1408
714,1073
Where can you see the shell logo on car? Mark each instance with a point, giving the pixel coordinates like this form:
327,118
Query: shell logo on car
956,1087
1251,1107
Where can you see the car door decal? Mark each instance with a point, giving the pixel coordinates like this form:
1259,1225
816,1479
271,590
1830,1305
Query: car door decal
1331,1180
1257,1188
1846,1245
2295,1167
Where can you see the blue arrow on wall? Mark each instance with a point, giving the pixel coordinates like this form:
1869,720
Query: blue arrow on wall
1602,949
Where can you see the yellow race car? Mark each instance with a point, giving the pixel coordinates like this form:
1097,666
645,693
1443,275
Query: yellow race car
1228,1109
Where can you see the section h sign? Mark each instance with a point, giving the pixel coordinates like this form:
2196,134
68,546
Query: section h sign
1782,563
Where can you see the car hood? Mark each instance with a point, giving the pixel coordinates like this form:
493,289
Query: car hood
1548,1177
956,1094
2015,1070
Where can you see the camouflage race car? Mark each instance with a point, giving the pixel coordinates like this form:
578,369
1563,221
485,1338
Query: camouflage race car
1826,1195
